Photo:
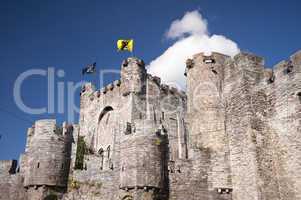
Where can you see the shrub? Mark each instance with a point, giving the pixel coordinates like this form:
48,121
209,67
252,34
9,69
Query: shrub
51,197
80,153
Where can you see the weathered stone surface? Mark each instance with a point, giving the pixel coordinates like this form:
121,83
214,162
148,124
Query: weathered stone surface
234,134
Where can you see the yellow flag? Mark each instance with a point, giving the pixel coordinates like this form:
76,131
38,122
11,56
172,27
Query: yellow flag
125,45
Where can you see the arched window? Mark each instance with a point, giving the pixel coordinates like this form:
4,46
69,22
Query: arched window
104,111
105,134
101,152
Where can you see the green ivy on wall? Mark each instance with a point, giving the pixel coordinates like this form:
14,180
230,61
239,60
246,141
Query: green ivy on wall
80,153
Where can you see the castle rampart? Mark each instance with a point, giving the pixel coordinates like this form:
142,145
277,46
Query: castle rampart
234,134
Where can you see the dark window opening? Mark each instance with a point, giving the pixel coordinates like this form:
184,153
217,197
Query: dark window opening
189,63
208,61
101,152
111,165
299,96
289,68
155,117
109,151
62,166
38,165
224,190
215,72
13,167
101,162
271,79
162,116
128,129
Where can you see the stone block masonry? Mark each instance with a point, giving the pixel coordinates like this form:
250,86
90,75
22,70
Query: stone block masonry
233,135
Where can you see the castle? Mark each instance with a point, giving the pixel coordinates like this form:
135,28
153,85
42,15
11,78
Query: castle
234,134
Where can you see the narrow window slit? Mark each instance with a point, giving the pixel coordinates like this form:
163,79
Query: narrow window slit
299,96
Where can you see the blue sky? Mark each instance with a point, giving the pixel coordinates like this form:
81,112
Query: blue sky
67,34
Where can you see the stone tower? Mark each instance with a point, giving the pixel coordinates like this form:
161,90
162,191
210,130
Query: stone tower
133,88
206,114
47,156
133,76
142,156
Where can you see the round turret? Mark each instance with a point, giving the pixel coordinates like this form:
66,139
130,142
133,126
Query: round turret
141,158
133,76
48,155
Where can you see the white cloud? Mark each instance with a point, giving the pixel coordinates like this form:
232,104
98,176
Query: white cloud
192,37
192,23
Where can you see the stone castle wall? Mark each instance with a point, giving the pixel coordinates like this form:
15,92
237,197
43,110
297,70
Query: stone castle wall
234,134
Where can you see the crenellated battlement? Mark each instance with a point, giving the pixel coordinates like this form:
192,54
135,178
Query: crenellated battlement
203,60
48,127
88,89
246,59
242,66
92,93
168,89
155,79
7,167
133,61
287,67
226,137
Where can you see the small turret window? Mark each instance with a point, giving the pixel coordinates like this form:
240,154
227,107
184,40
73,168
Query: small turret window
38,165
208,60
